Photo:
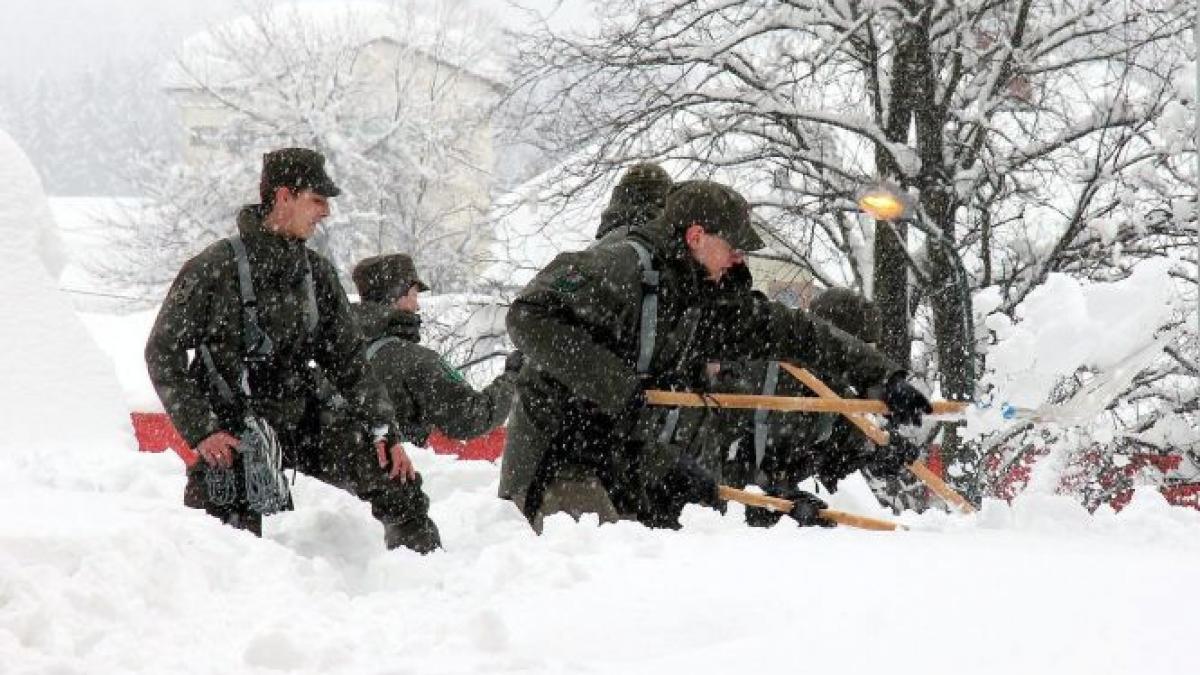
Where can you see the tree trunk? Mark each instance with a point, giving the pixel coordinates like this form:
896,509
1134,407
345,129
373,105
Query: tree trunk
890,282
949,293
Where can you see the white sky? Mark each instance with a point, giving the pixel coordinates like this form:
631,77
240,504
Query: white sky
62,36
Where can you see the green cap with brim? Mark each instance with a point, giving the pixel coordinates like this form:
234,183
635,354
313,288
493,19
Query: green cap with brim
297,168
383,278
718,208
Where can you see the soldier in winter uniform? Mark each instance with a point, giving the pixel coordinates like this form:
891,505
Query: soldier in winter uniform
600,326
777,450
433,394
636,200
255,310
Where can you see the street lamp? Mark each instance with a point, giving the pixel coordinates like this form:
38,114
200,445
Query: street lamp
884,201
887,202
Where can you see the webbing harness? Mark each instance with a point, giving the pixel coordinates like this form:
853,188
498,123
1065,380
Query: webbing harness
379,343
648,324
648,328
760,416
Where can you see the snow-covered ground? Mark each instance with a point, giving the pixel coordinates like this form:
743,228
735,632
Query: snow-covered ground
123,579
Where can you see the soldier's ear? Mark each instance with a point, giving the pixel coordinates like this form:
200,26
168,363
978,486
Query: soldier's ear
693,234
284,194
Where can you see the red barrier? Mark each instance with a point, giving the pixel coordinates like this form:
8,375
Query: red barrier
487,447
155,433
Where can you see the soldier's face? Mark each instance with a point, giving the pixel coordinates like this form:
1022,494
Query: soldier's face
297,214
713,253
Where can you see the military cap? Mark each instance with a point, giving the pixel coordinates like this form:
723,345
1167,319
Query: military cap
848,311
648,174
298,168
383,278
719,209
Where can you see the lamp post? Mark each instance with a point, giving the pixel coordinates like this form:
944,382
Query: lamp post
886,202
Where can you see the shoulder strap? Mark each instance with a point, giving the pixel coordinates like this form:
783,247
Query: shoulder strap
255,342
311,313
379,343
648,325
219,382
760,415
245,283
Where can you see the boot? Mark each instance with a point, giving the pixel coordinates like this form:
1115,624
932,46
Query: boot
420,535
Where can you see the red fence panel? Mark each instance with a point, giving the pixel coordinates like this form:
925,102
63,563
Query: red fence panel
155,433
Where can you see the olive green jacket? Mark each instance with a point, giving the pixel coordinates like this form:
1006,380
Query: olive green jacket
204,307
425,388
577,323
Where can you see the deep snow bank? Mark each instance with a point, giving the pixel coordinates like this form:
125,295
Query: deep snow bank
130,582
63,418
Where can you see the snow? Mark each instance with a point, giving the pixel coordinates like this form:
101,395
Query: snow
1064,325
60,394
129,581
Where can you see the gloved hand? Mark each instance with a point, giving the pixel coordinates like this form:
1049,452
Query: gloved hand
688,483
806,508
514,361
905,403
890,459
637,402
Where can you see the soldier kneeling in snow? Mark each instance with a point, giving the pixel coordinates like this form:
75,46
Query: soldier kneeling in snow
646,311
254,311
778,450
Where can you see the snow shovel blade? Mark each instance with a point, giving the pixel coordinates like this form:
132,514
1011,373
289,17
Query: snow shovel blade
1095,396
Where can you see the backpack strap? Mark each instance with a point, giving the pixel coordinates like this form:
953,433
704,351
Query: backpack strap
256,343
648,324
648,328
379,343
760,416
311,314
219,382
250,324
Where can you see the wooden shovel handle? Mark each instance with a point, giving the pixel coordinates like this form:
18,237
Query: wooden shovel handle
683,399
880,437
784,505
872,431
939,487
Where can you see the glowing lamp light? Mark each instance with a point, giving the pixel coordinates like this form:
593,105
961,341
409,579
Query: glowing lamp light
883,202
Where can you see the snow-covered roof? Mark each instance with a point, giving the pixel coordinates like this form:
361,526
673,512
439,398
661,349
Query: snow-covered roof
205,56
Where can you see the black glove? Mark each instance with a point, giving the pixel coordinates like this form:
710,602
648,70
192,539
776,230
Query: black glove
806,508
514,361
905,403
417,434
890,459
688,483
637,402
